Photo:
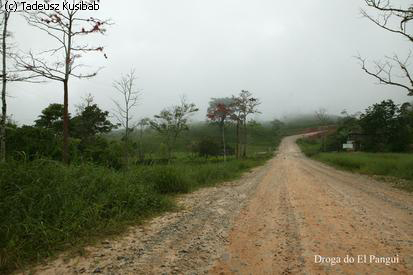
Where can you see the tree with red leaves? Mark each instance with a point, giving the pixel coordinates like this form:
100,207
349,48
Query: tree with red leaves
219,111
68,29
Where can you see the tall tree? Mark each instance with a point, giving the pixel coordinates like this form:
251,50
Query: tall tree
394,70
237,117
5,22
8,73
220,110
171,122
68,29
126,86
245,104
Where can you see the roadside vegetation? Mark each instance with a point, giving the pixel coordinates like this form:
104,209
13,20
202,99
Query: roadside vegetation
47,206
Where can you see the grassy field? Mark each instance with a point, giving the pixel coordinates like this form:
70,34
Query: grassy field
375,164
46,207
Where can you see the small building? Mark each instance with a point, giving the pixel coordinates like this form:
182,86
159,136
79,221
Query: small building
356,139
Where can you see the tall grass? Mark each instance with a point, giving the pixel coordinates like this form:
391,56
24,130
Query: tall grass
310,147
385,164
46,207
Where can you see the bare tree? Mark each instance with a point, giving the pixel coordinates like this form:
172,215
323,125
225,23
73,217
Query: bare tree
393,70
321,116
87,101
68,29
130,99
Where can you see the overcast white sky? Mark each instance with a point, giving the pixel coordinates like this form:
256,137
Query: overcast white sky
296,56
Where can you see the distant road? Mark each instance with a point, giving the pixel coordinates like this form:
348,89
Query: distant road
278,219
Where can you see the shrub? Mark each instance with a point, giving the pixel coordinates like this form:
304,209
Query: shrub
208,147
45,205
310,147
167,179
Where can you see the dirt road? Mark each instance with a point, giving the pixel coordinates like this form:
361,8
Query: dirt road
282,218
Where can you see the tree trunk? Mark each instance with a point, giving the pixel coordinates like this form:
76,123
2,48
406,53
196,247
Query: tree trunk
324,142
127,137
223,140
3,93
238,142
66,97
66,122
170,145
244,153
141,157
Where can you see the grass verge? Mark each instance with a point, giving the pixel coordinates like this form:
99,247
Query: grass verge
389,166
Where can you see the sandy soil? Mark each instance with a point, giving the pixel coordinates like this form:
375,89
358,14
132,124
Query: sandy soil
275,220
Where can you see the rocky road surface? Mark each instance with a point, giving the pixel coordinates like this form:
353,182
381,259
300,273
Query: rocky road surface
290,216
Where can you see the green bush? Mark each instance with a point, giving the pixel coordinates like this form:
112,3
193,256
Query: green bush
208,147
167,179
211,173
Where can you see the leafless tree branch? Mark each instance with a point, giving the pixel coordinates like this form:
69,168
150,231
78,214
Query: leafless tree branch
386,71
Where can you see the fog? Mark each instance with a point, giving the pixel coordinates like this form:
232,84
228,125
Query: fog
295,56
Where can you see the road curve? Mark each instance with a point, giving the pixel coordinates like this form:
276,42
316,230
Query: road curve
308,218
